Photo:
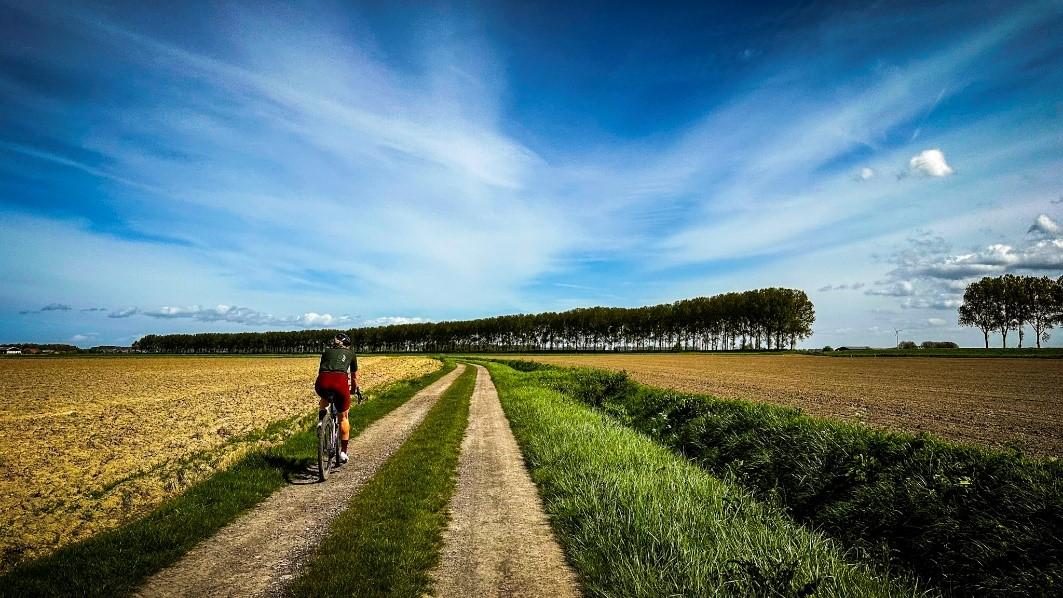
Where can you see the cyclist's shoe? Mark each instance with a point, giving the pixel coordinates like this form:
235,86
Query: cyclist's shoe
343,457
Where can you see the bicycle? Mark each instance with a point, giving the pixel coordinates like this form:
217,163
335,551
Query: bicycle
328,443
328,438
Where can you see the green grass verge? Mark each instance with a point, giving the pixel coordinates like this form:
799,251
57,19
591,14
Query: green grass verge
969,520
637,520
389,538
115,562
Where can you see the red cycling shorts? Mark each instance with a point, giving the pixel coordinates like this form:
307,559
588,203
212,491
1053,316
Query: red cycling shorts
334,386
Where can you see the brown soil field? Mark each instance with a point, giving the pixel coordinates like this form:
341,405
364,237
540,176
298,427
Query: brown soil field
994,402
89,443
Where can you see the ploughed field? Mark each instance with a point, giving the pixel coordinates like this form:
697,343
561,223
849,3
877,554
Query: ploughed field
89,443
993,402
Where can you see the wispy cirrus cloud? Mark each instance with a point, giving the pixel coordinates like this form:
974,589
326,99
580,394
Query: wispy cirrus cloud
426,165
234,314
332,115
856,286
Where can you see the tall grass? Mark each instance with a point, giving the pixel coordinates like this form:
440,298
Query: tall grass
972,521
389,538
115,562
637,520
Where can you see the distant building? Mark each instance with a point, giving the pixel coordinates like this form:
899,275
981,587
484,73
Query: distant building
854,348
12,351
110,349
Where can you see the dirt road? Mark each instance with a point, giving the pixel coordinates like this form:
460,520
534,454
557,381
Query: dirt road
499,541
259,553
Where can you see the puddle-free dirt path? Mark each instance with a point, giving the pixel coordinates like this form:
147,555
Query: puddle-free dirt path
499,541
260,552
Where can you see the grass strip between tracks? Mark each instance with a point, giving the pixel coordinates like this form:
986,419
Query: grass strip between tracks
115,562
636,519
389,538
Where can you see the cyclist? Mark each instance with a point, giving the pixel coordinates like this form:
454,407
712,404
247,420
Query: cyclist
334,384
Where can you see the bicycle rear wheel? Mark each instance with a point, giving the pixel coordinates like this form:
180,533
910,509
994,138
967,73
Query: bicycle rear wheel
326,443
336,445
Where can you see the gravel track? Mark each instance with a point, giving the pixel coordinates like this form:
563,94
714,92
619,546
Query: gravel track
499,541
260,552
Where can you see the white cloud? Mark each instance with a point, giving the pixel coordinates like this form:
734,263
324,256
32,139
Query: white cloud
941,301
391,320
1044,226
315,319
929,274
900,288
930,162
856,286
997,258
124,312
936,321
866,173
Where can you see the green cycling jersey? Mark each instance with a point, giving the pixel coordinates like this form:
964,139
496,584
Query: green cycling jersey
338,360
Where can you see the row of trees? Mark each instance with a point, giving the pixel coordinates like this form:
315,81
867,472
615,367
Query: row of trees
774,318
1009,302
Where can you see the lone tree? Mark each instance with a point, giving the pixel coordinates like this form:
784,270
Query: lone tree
1046,305
1018,304
980,309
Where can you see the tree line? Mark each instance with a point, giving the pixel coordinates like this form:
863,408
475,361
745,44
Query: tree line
773,318
1004,303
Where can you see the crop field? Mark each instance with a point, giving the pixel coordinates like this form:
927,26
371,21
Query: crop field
994,402
89,443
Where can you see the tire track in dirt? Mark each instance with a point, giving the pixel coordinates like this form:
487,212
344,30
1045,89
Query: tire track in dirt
260,552
499,541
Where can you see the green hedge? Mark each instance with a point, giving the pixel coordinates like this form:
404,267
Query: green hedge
972,521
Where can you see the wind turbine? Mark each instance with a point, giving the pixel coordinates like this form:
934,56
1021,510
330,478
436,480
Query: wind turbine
897,333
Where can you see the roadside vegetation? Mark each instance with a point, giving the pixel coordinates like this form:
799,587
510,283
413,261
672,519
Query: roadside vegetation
971,521
389,538
115,562
635,519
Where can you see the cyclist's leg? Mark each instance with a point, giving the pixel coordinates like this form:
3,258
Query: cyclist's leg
345,430
323,401
343,405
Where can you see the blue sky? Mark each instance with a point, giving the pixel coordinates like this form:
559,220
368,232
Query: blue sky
253,166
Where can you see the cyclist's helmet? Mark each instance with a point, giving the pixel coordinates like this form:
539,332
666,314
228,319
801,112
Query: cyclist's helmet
343,339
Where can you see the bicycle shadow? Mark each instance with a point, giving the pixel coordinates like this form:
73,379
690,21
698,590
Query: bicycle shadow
297,472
